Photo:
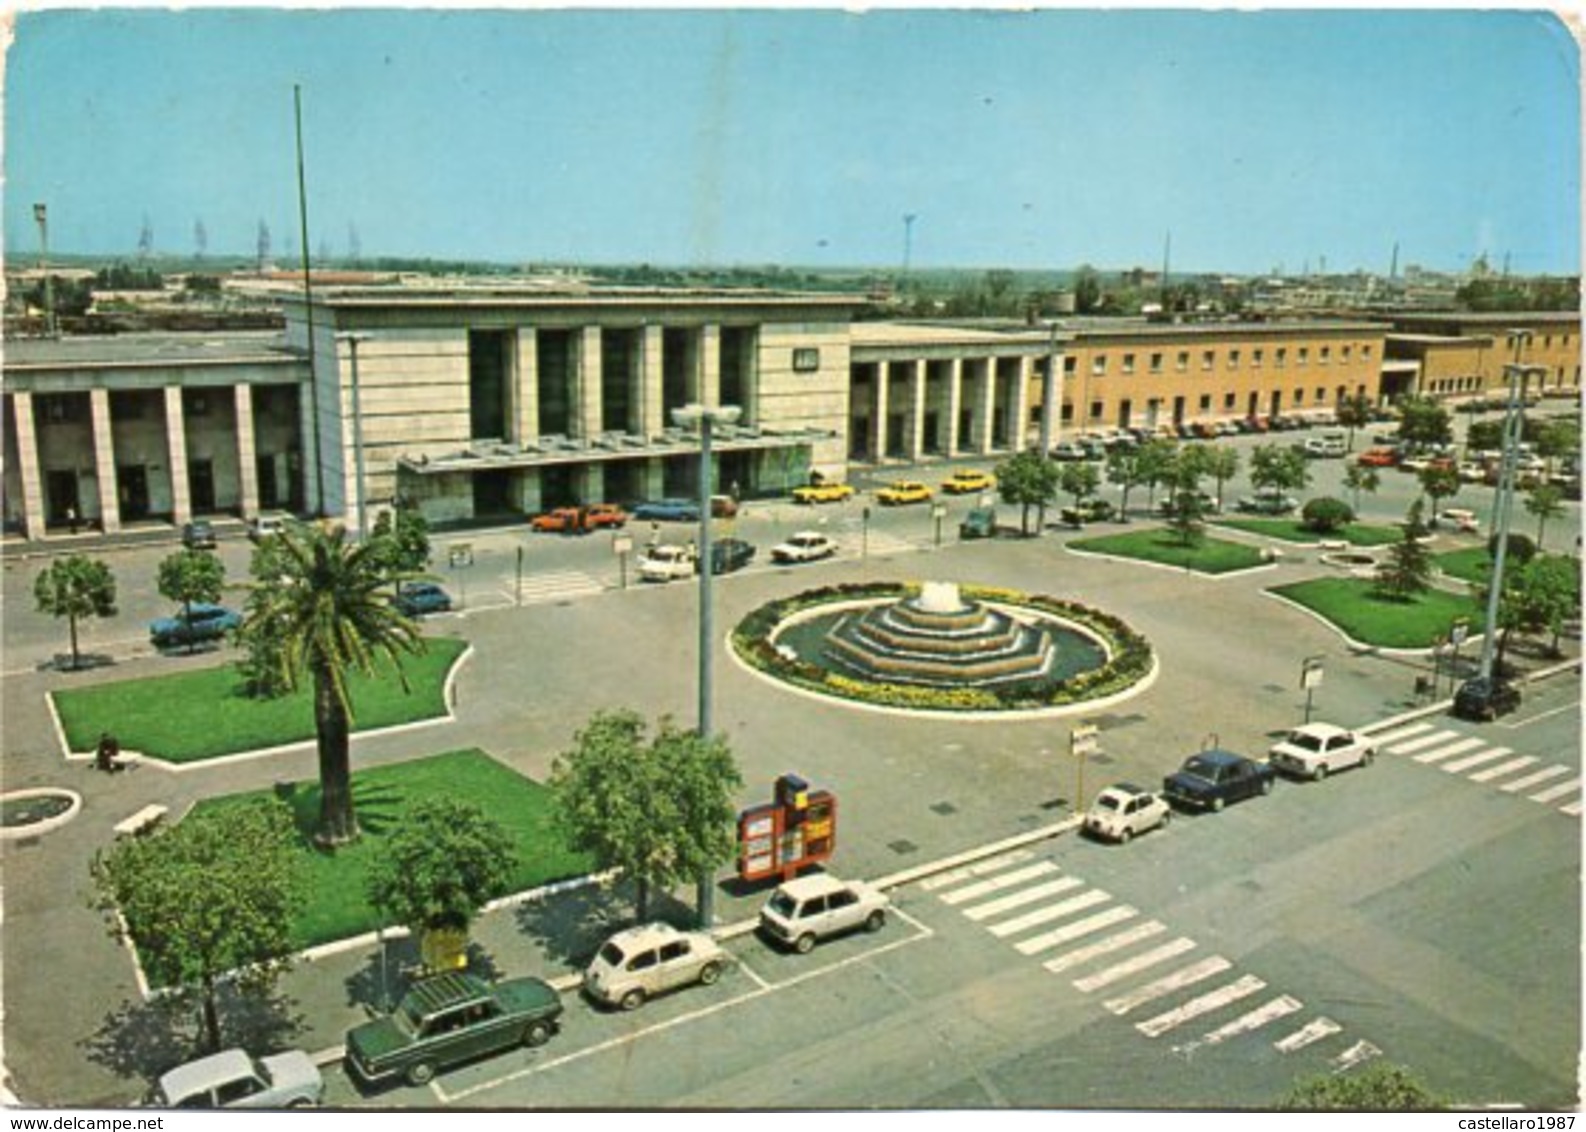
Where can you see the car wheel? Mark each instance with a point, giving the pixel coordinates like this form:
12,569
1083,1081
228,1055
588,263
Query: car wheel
709,973
1266,786
1217,805
1368,758
633,999
300,1102
421,1074
875,920
1125,836
804,944
1316,775
1167,816
537,1034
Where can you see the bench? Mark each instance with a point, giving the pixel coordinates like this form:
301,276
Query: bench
141,821
1334,544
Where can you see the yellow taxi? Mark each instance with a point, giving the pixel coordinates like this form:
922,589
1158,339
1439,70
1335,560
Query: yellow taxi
822,493
968,481
903,491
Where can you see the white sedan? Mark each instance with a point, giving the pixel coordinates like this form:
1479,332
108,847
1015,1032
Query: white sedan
805,546
1317,749
663,563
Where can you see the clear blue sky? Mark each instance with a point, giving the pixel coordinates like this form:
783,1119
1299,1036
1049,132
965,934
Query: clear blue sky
1259,139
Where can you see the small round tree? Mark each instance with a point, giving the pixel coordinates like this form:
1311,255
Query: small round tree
188,576
76,588
1324,515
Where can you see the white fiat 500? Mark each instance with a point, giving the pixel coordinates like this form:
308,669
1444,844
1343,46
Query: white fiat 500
1123,810
642,962
1317,749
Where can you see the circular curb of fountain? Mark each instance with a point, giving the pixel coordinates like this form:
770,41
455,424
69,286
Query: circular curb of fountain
996,597
74,804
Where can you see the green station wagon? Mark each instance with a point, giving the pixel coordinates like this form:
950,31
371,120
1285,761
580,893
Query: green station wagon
452,1018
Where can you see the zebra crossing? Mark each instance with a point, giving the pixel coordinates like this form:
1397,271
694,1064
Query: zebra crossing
1140,970
1556,785
551,585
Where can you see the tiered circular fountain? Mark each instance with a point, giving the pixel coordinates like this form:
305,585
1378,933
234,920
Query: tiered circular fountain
938,639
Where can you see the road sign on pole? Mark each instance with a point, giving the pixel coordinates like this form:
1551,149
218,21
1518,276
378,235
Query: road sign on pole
1084,740
1310,679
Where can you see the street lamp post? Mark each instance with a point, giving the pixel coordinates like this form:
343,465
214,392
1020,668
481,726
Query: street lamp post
707,417
352,341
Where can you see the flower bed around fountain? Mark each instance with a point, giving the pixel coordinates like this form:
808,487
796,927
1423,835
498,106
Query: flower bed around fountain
1112,657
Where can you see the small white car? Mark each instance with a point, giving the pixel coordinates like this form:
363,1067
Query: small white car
1460,519
663,563
234,1079
645,961
804,911
1317,749
805,546
1123,810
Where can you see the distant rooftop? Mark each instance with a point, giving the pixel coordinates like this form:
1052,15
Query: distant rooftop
147,349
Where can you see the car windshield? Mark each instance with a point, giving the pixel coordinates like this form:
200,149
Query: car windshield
1109,802
611,954
1202,768
1305,741
783,904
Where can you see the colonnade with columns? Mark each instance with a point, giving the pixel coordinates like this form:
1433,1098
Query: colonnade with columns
908,408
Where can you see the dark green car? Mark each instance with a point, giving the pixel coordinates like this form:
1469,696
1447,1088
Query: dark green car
452,1018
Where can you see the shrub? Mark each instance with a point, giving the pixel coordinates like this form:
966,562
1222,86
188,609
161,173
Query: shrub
1324,514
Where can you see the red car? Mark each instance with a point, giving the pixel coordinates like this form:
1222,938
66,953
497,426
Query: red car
1377,458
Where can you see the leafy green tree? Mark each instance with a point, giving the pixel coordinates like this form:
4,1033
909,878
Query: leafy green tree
213,895
324,614
1407,569
1087,290
1548,595
75,588
1439,482
1186,515
1275,467
1545,501
440,866
1424,422
1324,515
401,537
1124,470
1079,480
1354,412
1557,439
188,576
1484,436
1221,464
1027,479
1359,478
660,809
1520,549
1157,464
1376,1088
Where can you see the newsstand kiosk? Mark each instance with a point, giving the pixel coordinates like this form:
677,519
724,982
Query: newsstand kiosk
799,828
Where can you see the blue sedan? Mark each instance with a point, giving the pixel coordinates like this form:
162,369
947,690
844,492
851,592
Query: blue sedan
667,511
422,597
200,622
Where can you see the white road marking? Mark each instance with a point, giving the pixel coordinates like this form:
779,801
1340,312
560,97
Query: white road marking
998,882
979,868
1313,1031
1423,742
1167,984
1049,913
1279,1007
1557,791
1438,753
1205,1004
1354,1055
1477,759
1080,928
1132,966
1499,771
1019,899
1536,778
1400,733
1573,809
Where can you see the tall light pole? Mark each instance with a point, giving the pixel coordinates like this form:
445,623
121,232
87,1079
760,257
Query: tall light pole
41,214
352,341
706,417
1517,374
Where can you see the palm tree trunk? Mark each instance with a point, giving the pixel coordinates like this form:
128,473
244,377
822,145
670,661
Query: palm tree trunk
210,1017
72,621
337,823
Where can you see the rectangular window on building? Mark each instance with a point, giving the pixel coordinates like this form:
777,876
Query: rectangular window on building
1068,411
1305,355
1156,363
1233,359
1208,359
1344,352
1365,352
1182,362
1299,396
1128,363
1281,359
1070,363
1229,401
1324,355
806,359
1206,402
1098,365
1095,410
1256,357
1321,394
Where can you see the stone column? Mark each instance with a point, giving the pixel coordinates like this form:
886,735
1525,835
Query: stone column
985,405
878,427
647,382
914,423
710,365
28,459
525,394
176,454
592,483
247,452
105,460
1019,407
955,403
652,478
586,384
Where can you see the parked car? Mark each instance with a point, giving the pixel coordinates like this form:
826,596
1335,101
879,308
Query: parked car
801,912
198,535
968,481
723,507
451,1018
1268,503
1208,504
563,520
1378,458
1069,450
805,546
1325,446
1460,518
1213,778
201,622
1315,750
604,516
664,562
645,961
899,492
729,554
980,522
235,1079
261,527
1087,511
1123,810
822,493
417,598
1482,699
667,511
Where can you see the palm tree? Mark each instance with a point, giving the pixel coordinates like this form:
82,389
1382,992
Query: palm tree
324,607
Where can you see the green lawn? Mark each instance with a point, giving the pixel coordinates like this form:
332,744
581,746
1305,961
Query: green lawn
1292,530
1469,565
1351,604
1157,544
337,908
202,714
